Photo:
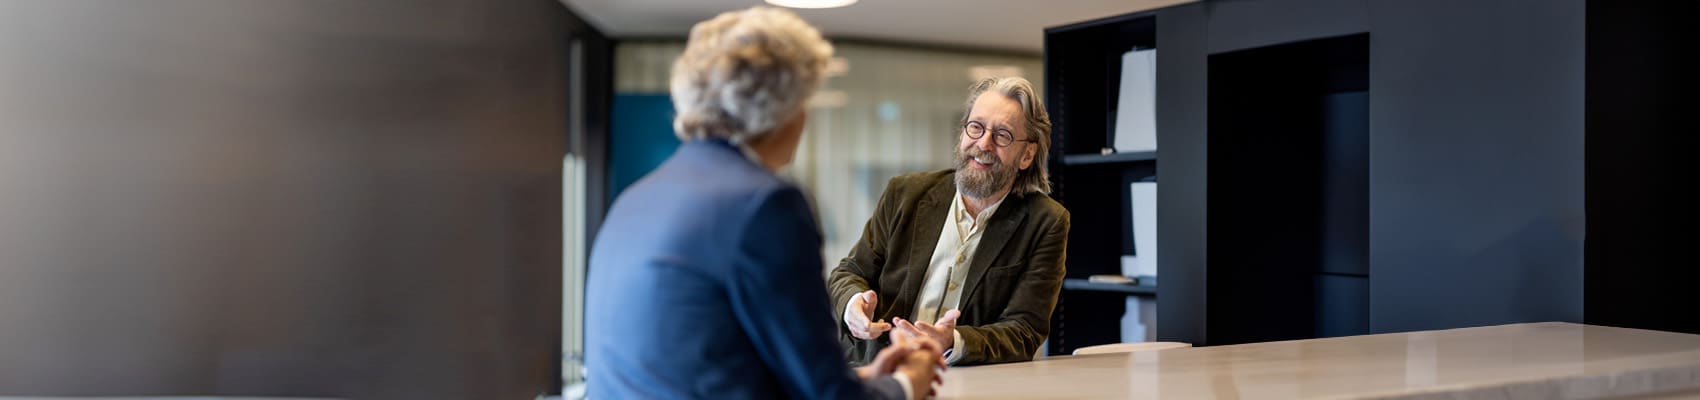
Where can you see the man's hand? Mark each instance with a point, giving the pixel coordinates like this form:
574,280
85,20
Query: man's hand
943,331
923,363
917,342
923,367
885,362
916,357
856,317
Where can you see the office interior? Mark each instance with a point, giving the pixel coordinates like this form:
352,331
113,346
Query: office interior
397,199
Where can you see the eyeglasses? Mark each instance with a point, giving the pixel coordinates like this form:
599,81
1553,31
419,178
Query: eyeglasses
1000,137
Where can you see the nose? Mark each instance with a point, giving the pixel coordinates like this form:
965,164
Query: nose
986,143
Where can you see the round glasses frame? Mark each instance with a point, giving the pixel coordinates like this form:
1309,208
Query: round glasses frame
1000,137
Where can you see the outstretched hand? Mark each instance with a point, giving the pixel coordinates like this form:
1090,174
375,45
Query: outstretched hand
856,317
943,331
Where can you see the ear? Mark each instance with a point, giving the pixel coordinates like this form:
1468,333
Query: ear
1027,155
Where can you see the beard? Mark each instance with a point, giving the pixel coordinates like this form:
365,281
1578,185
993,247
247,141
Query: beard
982,184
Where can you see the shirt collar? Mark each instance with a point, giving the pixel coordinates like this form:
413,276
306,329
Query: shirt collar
750,154
959,210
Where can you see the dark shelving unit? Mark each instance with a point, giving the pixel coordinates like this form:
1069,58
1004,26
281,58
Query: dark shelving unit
1082,72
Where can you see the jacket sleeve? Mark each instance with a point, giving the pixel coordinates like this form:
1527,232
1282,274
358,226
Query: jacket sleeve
860,271
777,297
1025,321
886,388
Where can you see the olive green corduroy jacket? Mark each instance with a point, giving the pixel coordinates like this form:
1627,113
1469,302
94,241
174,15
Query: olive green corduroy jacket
1011,285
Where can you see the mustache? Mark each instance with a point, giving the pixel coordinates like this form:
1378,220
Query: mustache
973,153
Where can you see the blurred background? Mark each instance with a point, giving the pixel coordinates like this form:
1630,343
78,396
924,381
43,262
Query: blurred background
886,110
394,198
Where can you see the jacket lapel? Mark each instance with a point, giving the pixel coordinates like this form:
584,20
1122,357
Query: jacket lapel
924,230
999,228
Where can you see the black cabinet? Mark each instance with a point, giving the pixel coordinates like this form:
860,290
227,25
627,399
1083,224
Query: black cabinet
1333,167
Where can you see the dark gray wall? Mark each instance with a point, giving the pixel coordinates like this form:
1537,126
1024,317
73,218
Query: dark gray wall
1476,155
1475,151
286,198
1182,120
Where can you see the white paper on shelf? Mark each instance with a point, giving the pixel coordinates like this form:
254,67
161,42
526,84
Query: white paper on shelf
1139,322
1136,104
1144,227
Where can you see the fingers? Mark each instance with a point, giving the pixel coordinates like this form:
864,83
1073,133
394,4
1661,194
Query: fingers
903,337
934,347
888,359
949,318
936,331
913,335
918,366
859,316
931,345
857,321
877,328
869,331
908,328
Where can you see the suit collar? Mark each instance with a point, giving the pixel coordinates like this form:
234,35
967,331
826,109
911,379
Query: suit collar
999,229
930,214
725,147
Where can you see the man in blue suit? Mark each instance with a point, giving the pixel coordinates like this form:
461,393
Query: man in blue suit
706,279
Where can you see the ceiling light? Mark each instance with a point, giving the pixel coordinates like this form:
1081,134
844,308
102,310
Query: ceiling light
811,3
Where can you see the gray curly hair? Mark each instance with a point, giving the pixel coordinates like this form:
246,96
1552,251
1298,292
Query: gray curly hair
744,73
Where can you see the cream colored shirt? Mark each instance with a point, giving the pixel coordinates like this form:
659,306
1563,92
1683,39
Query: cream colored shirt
942,289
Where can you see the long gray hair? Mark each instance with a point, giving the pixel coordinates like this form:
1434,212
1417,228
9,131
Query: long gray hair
1036,179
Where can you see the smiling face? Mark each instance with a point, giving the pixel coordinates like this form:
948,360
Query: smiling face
985,170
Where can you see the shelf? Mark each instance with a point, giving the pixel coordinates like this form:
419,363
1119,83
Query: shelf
1083,159
1131,290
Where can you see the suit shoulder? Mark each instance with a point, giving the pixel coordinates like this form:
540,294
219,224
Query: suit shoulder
707,180
1046,207
920,182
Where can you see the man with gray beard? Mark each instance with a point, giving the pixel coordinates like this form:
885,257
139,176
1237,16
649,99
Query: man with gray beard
971,256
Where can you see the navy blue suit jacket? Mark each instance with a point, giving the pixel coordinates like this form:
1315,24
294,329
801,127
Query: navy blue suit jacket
706,282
